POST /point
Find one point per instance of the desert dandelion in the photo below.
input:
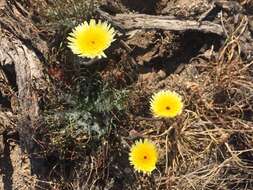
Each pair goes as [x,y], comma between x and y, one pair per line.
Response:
[91,39]
[143,156]
[166,104]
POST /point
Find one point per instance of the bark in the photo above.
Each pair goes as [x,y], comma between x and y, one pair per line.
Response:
[21,60]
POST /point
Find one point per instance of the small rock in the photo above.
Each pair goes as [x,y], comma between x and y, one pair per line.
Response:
[161,74]
[127,170]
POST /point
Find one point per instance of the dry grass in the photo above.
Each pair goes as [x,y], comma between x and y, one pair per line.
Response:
[209,146]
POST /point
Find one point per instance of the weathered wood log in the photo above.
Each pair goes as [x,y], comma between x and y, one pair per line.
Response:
[22,49]
[7,122]
[143,21]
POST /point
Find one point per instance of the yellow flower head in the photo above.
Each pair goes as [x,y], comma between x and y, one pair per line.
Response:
[166,104]
[90,40]
[143,156]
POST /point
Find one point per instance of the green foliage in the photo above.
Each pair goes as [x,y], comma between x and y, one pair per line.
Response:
[96,96]
[87,115]
[69,13]
[110,99]
[104,99]
[72,130]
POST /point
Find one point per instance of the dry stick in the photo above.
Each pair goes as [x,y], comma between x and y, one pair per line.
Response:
[143,21]
[167,159]
[205,14]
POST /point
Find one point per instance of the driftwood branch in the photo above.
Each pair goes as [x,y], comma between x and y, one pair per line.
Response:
[143,21]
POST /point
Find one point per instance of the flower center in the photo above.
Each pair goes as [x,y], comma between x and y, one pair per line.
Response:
[167,108]
[93,42]
[145,157]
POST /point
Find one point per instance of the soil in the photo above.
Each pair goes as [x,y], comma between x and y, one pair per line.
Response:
[72,128]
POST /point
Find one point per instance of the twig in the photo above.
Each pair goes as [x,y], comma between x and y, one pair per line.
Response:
[223,26]
[207,13]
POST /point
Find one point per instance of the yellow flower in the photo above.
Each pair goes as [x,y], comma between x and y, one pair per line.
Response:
[143,156]
[90,40]
[166,104]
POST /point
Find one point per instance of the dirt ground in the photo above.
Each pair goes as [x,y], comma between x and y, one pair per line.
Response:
[92,111]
